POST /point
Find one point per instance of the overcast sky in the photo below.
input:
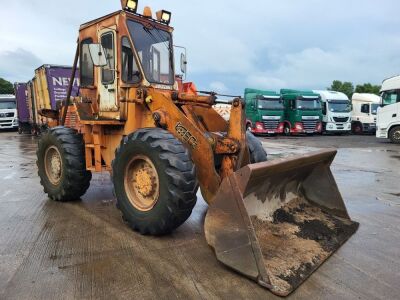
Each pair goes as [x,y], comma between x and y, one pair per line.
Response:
[231,44]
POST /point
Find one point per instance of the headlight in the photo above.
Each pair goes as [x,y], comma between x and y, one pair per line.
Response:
[164,16]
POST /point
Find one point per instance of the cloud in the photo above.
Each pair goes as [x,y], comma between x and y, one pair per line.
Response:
[219,87]
[18,65]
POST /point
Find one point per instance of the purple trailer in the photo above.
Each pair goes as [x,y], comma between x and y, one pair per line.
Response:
[24,107]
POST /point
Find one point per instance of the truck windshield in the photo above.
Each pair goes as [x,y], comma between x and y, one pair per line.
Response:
[8,105]
[308,104]
[274,104]
[340,106]
[154,47]
[374,108]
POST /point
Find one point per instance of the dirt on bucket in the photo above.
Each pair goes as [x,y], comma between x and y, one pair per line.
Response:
[298,240]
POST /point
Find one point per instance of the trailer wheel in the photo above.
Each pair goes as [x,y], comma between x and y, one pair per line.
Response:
[154,181]
[61,164]
[394,135]
[257,152]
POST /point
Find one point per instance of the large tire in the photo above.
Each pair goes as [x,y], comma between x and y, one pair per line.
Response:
[154,181]
[61,164]
[257,152]
[394,135]
[357,128]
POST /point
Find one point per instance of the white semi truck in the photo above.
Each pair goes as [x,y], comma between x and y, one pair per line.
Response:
[365,107]
[8,112]
[388,118]
[336,111]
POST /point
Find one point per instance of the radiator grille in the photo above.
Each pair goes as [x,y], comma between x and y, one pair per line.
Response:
[271,124]
[340,120]
[310,125]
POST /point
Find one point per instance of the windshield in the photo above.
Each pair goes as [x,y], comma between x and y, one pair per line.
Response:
[308,104]
[275,104]
[8,105]
[374,108]
[154,47]
[390,97]
[339,106]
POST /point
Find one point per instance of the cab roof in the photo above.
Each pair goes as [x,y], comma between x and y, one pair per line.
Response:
[331,95]
[392,83]
[365,97]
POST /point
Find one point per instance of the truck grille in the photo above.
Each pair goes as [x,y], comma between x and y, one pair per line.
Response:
[340,120]
[310,125]
[271,124]
[7,115]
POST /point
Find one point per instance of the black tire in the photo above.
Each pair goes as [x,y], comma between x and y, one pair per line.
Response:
[394,135]
[74,179]
[357,129]
[257,152]
[286,130]
[176,177]
[20,130]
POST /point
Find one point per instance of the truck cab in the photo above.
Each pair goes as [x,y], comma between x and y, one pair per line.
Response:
[264,111]
[336,112]
[388,117]
[303,112]
[8,112]
[364,112]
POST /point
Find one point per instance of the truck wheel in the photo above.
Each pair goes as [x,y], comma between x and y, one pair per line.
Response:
[257,152]
[154,180]
[357,128]
[286,130]
[248,127]
[61,164]
[394,135]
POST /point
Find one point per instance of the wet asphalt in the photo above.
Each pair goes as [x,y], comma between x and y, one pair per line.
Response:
[83,250]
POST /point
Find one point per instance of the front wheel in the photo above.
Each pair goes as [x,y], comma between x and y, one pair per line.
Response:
[154,181]
[357,128]
[61,164]
[286,130]
[394,135]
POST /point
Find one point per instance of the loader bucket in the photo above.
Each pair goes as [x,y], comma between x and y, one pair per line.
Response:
[276,222]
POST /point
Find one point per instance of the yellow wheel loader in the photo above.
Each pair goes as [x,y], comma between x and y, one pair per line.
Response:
[274,221]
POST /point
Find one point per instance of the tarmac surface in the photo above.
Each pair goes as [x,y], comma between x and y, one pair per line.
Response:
[82,249]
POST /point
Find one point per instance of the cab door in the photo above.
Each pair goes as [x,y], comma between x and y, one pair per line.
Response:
[107,88]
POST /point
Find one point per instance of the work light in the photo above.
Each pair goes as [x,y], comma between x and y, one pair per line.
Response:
[130,5]
[164,16]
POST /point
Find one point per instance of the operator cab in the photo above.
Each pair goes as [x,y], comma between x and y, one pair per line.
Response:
[122,52]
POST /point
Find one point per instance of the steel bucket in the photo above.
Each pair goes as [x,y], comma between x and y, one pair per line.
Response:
[276,222]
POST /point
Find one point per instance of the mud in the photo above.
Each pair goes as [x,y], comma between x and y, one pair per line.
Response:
[298,240]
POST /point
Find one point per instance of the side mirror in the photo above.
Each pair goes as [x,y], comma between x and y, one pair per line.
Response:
[183,63]
[98,55]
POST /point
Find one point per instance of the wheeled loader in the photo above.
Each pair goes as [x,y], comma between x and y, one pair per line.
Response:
[274,221]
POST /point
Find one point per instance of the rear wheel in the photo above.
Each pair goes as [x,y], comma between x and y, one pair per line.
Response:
[257,152]
[394,135]
[154,181]
[61,164]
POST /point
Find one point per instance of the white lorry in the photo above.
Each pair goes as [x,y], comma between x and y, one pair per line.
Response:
[8,112]
[388,118]
[336,111]
[365,107]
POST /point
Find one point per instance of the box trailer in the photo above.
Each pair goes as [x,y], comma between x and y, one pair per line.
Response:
[24,108]
[48,87]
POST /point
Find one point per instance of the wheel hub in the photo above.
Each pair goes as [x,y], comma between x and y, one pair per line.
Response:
[53,165]
[141,183]
[396,135]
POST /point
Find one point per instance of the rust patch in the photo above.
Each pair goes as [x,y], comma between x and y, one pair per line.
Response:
[298,240]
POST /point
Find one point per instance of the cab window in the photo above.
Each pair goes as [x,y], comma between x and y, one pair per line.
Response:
[130,71]
[365,108]
[108,71]
[86,64]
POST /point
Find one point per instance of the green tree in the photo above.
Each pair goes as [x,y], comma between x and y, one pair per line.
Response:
[344,87]
[6,87]
[368,88]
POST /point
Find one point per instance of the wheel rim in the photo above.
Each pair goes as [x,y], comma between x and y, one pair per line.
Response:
[396,135]
[53,165]
[287,130]
[141,183]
